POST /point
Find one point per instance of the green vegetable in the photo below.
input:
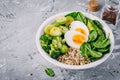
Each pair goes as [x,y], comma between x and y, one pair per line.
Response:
[81,18]
[50,72]
[84,50]
[78,16]
[57,41]
[55,31]
[47,29]
[63,29]
[73,14]
[90,25]
[56,24]
[87,51]
[94,54]
[92,35]
[46,48]
[97,25]
[45,42]
[101,42]
[69,20]
[103,50]
[64,49]
[47,39]
[55,53]
[61,20]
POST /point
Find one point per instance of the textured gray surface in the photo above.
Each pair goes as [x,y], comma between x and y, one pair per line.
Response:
[19,57]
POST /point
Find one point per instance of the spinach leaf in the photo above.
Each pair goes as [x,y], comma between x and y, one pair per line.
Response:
[92,35]
[73,14]
[78,16]
[84,50]
[50,72]
[97,23]
[103,50]
[87,51]
[101,42]
[81,18]
[98,27]
[95,54]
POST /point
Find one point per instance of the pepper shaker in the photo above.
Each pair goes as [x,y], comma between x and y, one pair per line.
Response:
[110,11]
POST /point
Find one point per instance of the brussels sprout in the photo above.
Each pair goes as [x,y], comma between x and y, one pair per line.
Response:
[55,31]
[61,20]
[63,29]
[64,49]
[56,24]
[69,20]
[47,29]
[63,41]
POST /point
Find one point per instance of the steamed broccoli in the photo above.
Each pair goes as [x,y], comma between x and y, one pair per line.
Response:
[45,41]
[55,53]
[46,48]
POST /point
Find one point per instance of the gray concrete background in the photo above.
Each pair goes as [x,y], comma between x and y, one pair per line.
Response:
[19,57]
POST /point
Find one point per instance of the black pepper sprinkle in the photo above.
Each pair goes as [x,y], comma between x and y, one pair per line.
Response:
[111,74]
[31,74]
[114,71]
[66,70]
[119,64]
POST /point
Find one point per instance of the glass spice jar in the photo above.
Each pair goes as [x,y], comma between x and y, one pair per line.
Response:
[93,5]
[110,11]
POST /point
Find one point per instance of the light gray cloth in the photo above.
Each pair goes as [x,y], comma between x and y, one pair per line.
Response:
[19,57]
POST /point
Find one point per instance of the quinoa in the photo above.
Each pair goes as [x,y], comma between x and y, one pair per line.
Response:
[73,57]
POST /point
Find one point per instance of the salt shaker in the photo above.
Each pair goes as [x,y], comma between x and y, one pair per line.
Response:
[93,5]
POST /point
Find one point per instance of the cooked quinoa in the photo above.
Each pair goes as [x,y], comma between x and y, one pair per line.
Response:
[73,57]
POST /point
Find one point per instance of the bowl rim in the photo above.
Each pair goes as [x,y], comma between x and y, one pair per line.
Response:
[63,65]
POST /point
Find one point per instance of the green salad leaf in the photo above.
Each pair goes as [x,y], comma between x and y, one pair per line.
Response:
[50,72]
[92,36]
[103,50]
[81,18]
[87,51]
[101,42]
[84,50]
[78,16]
[72,14]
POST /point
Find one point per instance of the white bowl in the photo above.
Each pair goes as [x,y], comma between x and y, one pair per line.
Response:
[55,62]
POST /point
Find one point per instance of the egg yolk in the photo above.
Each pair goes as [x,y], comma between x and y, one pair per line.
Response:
[81,30]
[78,39]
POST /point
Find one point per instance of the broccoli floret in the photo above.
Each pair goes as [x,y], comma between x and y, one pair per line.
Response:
[46,48]
[55,53]
[45,39]
[57,41]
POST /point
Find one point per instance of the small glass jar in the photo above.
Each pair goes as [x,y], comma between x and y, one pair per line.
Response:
[110,11]
[93,5]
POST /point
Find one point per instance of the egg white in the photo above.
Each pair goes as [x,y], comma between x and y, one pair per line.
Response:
[77,24]
[68,37]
